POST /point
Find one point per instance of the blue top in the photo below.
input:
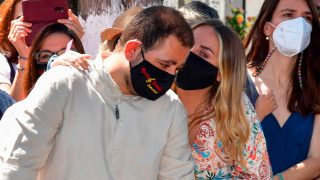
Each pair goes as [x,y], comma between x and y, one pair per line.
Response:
[290,144]
[5,101]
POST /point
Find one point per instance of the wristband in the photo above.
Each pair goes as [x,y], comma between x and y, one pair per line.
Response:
[20,68]
[280,176]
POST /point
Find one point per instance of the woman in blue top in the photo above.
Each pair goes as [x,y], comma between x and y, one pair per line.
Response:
[284,63]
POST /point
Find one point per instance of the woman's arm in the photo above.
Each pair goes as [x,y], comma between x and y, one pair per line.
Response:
[18,31]
[309,168]
[17,90]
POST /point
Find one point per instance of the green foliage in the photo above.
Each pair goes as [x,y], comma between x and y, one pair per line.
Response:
[238,23]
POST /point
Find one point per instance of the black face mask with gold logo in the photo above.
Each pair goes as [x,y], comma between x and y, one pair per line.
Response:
[196,74]
[149,81]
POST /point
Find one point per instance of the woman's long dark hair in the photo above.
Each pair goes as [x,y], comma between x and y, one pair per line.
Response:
[305,100]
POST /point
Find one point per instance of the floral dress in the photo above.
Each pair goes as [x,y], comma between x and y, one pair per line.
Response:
[211,162]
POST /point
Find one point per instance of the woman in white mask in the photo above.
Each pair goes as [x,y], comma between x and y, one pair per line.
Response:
[284,63]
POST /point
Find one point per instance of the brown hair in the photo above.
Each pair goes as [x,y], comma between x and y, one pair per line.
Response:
[196,11]
[7,9]
[301,100]
[154,24]
[31,76]
[227,96]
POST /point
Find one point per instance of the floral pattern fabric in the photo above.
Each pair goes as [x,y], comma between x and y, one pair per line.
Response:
[211,162]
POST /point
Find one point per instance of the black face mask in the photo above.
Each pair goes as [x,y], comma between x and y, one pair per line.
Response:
[196,74]
[42,67]
[149,81]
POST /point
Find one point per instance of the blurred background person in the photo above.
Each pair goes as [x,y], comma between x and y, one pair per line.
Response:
[50,43]
[197,10]
[13,49]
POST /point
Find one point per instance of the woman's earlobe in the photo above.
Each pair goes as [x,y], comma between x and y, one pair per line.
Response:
[267,29]
[219,77]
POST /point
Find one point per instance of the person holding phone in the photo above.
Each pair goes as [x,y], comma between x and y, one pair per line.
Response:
[13,49]
[50,43]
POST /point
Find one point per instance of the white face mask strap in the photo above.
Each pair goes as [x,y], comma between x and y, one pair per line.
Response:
[272,24]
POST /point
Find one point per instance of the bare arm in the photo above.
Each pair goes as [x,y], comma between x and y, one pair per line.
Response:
[18,31]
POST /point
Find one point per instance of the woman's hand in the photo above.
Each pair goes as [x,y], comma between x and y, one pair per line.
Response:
[73,23]
[18,31]
[265,105]
[73,59]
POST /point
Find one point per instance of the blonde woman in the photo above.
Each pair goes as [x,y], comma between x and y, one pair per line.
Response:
[225,134]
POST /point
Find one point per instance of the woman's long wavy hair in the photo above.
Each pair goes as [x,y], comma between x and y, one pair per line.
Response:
[300,100]
[31,71]
[226,96]
[7,9]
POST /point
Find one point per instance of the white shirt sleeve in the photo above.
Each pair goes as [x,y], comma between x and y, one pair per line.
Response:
[5,70]
[28,128]
[177,162]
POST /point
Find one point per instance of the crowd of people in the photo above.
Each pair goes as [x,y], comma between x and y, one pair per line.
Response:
[172,94]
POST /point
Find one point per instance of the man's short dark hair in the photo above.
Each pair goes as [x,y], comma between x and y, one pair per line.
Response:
[198,11]
[154,24]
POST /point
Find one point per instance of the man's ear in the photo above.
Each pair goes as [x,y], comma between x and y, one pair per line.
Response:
[132,49]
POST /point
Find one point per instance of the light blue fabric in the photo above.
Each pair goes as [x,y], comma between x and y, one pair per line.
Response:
[5,101]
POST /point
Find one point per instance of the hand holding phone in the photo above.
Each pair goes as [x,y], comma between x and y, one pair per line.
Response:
[41,13]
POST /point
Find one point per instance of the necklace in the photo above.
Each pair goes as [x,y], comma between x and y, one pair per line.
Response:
[260,68]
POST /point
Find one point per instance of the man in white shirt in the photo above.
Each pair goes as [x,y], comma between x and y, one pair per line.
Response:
[118,121]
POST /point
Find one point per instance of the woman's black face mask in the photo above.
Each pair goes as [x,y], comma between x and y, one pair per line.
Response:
[196,74]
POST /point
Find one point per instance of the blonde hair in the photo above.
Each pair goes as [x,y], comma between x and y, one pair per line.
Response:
[226,97]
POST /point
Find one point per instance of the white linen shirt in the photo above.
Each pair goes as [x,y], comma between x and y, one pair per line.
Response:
[66,129]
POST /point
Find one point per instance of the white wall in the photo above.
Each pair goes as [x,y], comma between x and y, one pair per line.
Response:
[253,7]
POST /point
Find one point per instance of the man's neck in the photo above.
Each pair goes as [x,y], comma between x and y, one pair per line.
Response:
[119,72]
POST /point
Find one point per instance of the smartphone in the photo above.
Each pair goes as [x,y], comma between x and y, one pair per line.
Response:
[41,13]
